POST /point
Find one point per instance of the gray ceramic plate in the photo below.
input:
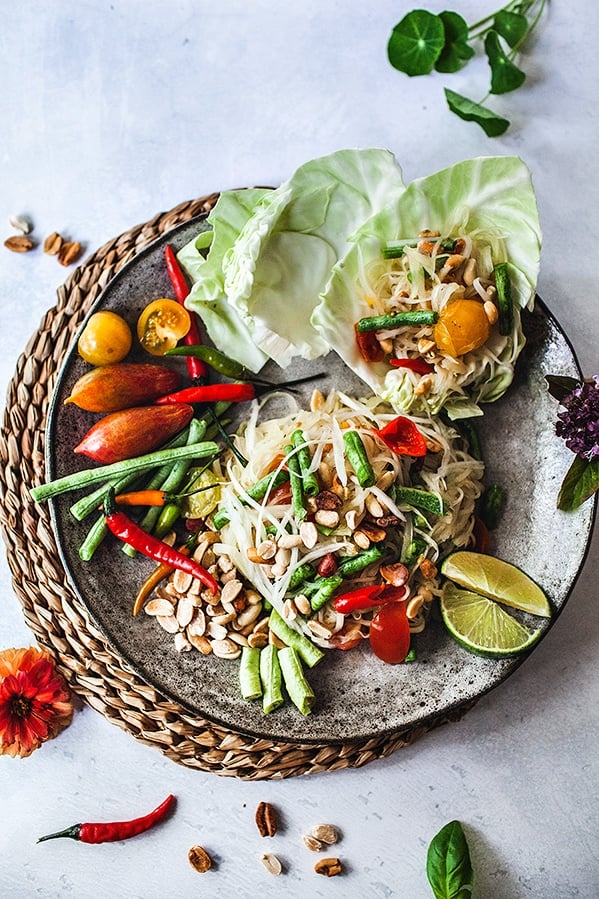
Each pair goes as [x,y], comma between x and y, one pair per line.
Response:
[358,696]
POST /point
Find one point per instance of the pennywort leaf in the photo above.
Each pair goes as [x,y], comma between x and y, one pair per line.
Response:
[505,76]
[492,124]
[448,865]
[512,26]
[560,386]
[456,49]
[416,42]
[580,483]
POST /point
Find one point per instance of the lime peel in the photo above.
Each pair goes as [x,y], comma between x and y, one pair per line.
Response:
[496,579]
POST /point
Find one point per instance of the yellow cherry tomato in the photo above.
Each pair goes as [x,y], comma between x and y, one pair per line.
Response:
[462,326]
[161,325]
[106,338]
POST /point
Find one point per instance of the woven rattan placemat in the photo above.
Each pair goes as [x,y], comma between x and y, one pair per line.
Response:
[52,610]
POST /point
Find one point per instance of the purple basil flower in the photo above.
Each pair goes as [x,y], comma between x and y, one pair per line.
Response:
[579,422]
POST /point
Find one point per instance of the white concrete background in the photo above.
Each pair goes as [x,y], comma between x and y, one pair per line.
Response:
[112,112]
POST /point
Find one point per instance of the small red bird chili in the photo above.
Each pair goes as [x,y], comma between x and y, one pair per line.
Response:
[403,437]
[210,393]
[419,365]
[129,532]
[196,368]
[114,830]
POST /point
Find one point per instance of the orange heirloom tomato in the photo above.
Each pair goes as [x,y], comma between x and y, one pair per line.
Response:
[161,325]
[106,338]
[462,326]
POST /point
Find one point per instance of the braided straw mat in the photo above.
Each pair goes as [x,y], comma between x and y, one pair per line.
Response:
[53,612]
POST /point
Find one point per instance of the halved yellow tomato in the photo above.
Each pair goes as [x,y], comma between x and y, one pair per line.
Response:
[161,325]
[462,326]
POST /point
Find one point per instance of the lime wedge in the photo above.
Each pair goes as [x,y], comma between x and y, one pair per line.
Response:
[497,580]
[483,627]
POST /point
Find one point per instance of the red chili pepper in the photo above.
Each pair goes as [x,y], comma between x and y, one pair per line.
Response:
[196,368]
[129,532]
[419,365]
[114,830]
[403,437]
[363,598]
[369,347]
[210,393]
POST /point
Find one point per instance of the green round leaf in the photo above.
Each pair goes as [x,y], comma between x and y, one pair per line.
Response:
[493,125]
[416,42]
[456,49]
[505,76]
[512,26]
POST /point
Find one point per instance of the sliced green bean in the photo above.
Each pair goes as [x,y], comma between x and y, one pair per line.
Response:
[309,481]
[309,653]
[355,564]
[90,476]
[358,458]
[298,505]
[300,574]
[249,673]
[298,689]
[270,675]
[398,320]
[326,588]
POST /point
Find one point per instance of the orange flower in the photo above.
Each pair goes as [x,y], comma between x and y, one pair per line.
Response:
[35,702]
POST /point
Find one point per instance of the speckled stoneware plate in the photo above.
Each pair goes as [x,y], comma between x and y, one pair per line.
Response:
[357,695]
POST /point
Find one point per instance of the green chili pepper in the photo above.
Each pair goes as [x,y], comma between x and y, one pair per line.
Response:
[218,361]
[358,458]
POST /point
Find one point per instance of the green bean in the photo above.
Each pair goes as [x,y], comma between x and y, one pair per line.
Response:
[420,499]
[93,539]
[90,476]
[358,458]
[326,588]
[300,574]
[309,653]
[309,481]
[398,320]
[297,493]
[249,673]
[270,675]
[298,689]
[355,564]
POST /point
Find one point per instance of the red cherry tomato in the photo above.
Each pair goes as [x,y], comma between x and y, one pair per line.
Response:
[368,345]
[390,633]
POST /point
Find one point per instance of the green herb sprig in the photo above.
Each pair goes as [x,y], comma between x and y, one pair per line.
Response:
[448,864]
[424,41]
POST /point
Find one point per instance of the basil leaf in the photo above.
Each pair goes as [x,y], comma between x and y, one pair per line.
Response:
[416,42]
[580,483]
[493,125]
[559,386]
[505,76]
[456,49]
[512,26]
[448,865]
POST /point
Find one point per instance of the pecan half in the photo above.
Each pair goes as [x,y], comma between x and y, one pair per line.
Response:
[266,819]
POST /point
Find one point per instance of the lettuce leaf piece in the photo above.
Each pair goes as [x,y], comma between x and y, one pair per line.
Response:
[281,261]
[227,329]
[486,198]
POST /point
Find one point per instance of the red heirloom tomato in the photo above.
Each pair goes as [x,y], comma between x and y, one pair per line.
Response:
[390,633]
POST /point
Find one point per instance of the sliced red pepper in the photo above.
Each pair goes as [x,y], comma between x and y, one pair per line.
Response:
[419,365]
[210,393]
[369,347]
[403,437]
[364,598]
[197,369]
